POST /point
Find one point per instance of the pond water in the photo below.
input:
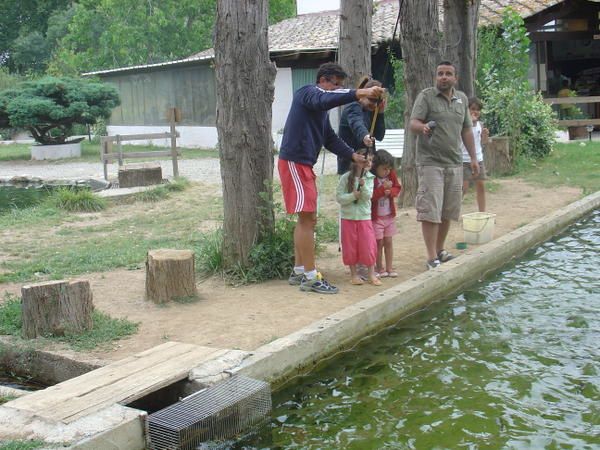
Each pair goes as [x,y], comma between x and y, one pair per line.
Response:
[512,362]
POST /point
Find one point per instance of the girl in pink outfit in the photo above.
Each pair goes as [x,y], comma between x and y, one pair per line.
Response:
[383,210]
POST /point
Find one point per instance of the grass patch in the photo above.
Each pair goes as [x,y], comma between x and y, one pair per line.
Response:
[571,164]
[76,200]
[59,244]
[104,331]
[161,192]
[15,152]
[152,195]
[90,152]
[10,315]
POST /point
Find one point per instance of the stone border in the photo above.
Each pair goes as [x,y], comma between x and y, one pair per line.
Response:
[279,360]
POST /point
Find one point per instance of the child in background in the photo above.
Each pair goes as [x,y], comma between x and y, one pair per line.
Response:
[481,137]
[358,240]
[383,210]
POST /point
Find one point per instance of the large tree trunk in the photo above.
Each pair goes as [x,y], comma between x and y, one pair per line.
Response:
[420,41]
[245,88]
[356,18]
[460,34]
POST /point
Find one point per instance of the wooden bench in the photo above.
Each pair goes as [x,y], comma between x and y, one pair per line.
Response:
[393,142]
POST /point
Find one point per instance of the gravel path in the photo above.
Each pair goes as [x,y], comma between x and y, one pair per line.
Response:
[206,170]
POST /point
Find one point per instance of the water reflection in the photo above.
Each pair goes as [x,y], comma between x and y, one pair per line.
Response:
[513,362]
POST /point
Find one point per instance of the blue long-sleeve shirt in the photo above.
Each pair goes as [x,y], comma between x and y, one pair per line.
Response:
[307,127]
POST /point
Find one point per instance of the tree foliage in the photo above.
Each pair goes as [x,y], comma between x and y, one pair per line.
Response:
[23,22]
[116,33]
[511,107]
[49,107]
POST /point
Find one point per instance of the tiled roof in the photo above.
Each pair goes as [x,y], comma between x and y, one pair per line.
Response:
[319,31]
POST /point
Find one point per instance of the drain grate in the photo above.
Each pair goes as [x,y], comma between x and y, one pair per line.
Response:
[216,413]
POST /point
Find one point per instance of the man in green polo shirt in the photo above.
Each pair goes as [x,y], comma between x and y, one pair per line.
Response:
[440,117]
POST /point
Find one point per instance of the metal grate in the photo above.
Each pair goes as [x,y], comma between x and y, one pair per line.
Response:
[215,413]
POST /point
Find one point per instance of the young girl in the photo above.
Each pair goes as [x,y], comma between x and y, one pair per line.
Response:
[383,210]
[481,137]
[358,240]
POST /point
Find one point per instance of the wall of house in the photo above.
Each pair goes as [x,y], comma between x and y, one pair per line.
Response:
[206,136]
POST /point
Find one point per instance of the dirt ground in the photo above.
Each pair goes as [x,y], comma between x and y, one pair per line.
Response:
[250,316]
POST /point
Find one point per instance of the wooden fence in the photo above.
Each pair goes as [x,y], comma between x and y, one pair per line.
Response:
[106,146]
[574,101]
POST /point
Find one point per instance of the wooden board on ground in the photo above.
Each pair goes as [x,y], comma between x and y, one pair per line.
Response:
[120,382]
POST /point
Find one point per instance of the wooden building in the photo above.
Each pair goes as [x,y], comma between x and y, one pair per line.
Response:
[565,43]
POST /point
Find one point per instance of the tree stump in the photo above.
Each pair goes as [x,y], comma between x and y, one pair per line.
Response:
[144,174]
[497,157]
[170,275]
[56,307]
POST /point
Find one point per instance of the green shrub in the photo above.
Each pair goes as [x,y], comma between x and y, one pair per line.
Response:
[76,200]
[209,255]
[396,102]
[511,108]
[50,107]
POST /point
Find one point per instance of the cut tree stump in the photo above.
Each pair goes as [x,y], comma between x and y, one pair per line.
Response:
[145,174]
[497,156]
[56,307]
[170,275]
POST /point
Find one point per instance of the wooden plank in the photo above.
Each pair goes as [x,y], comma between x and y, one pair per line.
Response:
[572,100]
[578,122]
[93,379]
[139,137]
[130,155]
[129,389]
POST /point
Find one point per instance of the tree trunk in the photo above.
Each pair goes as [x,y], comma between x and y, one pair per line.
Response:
[460,34]
[170,275]
[56,307]
[356,17]
[245,88]
[420,41]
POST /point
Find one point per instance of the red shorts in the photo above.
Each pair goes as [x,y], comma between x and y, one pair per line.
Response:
[298,185]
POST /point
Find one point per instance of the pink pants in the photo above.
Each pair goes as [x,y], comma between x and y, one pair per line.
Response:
[358,242]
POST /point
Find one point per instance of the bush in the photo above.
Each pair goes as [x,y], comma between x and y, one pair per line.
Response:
[50,107]
[76,200]
[522,115]
[396,102]
[511,108]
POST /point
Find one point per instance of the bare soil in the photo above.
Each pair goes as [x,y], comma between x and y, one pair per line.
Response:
[249,316]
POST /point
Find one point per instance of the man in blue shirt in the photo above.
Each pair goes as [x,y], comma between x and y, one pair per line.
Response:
[307,129]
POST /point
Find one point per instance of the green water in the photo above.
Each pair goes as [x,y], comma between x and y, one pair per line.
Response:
[17,198]
[513,362]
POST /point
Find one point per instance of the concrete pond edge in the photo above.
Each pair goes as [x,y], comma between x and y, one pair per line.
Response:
[279,361]
[298,352]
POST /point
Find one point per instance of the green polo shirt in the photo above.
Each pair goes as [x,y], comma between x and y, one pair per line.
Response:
[451,117]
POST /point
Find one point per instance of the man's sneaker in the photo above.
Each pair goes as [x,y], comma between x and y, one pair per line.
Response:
[317,284]
[444,256]
[433,263]
[295,278]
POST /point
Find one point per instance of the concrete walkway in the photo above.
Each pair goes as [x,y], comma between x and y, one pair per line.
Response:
[205,170]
